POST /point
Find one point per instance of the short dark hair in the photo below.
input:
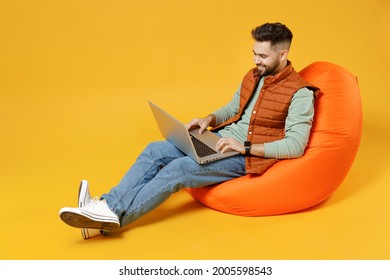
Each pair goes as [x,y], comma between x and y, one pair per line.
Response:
[273,32]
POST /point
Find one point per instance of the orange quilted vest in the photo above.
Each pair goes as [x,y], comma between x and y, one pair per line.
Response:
[270,111]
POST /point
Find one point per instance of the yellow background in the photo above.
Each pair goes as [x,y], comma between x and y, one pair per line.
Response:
[75,77]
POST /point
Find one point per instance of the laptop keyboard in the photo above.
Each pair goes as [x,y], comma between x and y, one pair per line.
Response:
[201,148]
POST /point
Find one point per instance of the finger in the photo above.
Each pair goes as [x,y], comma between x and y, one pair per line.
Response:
[188,125]
[191,124]
[227,147]
[203,127]
[221,144]
[218,145]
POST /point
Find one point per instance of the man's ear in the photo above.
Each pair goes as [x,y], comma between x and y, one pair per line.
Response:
[283,54]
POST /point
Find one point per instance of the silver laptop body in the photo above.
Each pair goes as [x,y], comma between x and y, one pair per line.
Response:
[188,141]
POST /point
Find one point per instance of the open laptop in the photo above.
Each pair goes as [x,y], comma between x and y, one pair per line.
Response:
[200,147]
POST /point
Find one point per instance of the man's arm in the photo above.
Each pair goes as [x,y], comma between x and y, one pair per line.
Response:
[229,110]
[219,116]
[297,132]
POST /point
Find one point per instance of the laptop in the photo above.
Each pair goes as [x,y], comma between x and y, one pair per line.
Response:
[200,147]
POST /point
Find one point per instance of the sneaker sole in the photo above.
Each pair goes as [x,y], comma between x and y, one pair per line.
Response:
[83,189]
[81,221]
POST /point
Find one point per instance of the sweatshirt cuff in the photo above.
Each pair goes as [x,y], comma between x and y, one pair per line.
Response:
[270,150]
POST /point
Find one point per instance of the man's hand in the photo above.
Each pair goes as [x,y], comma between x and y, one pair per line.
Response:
[202,123]
[228,144]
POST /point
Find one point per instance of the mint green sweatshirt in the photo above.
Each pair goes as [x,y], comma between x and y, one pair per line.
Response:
[297,129]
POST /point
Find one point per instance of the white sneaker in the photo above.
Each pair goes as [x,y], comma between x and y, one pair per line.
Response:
[95,215]
[83,200]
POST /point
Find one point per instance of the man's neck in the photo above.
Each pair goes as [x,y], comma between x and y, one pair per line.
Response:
[280,68]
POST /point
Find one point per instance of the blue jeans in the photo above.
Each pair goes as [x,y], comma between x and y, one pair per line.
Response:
[161,170]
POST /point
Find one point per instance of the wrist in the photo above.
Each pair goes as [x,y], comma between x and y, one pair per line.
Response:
[211,119]
[247,147]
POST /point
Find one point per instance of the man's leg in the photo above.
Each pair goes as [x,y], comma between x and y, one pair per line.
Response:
[102,216]
[151,161]
[180,173]
[158,172]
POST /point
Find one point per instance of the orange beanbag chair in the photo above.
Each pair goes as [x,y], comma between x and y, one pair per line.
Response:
[296,184]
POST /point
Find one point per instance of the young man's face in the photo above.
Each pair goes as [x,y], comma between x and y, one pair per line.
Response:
[268,60]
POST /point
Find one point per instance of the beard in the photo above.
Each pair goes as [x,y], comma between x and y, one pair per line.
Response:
[265,70]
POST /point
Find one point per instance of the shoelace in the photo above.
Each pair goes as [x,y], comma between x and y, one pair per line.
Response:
[93,203]
[103,207]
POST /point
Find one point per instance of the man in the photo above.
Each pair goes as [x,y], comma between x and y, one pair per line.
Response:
[268,119]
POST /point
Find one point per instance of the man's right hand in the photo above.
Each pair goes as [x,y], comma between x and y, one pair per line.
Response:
[202,123]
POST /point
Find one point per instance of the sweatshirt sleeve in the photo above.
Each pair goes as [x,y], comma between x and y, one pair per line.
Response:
[229,110]
[297,129]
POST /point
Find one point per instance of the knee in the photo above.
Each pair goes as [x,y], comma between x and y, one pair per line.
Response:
[162,149]
[183,165]
[155,147]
